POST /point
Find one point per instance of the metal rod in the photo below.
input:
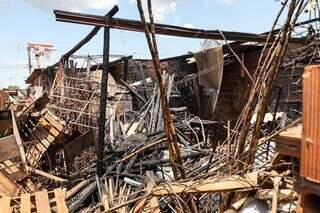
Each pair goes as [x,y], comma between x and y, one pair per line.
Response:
[71,110]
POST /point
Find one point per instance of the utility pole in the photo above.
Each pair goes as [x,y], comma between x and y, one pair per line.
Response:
[29,59]
[103,95]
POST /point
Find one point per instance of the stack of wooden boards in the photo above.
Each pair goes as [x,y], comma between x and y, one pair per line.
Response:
[41,202]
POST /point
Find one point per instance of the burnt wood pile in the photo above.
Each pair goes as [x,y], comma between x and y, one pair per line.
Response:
[149,136]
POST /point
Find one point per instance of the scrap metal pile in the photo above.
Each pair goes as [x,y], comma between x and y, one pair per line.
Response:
[164,140]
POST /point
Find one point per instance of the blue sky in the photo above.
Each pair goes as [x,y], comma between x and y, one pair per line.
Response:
[24,21]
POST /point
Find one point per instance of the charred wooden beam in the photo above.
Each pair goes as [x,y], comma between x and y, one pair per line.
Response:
[103,96]
[133,91]
[164,29]
[86,39]
[174,152]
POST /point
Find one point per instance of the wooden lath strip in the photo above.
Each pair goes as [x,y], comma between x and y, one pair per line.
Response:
[5,205]
[42,201]
[60,201]
[53,122]
[12,167]
[25,206]
[45,132]
[41,205]
[7,186]
[34,154]
[9,168]
[49,127]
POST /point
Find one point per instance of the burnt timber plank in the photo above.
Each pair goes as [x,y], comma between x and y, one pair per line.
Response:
[18,138]
[50,128]
[53,122]
[8,148]
[137,26]
[7,186]
[42,137]
[9,167]
[43,133]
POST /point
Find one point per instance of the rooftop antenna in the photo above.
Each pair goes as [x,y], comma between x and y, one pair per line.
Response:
[39,50]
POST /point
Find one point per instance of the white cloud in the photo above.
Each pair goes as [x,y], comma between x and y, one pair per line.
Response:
[228,1]
[188,25]
[4,4]
[160,8]
[72,5]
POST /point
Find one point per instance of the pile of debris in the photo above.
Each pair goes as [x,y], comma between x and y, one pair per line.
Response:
[219,130]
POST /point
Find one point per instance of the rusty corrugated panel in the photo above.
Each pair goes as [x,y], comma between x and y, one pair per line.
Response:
[310,147]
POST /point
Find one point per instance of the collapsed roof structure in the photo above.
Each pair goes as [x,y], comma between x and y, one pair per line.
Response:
[218,130]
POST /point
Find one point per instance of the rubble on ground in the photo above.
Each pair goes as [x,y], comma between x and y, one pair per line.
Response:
[218,130]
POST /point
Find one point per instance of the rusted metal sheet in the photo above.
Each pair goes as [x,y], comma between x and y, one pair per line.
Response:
[310,146]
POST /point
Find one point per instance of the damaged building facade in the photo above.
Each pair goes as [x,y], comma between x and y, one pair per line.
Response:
[219,130]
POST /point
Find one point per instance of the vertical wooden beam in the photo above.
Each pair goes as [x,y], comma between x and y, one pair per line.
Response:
[125,69]
[29,60]
[5,204]
[103,103]
[174,152]
[42,201]
[277,104]
[25,206]
[103,96]
[144,80]
[172,140]
[228,150]
[276,183]
[60,201]
[18,138]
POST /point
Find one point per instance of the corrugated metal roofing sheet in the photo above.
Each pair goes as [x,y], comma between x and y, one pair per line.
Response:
[310,147]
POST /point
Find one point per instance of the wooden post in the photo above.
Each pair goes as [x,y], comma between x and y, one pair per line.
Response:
[29,60]
[103,96]
[174,152]
[228,150]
